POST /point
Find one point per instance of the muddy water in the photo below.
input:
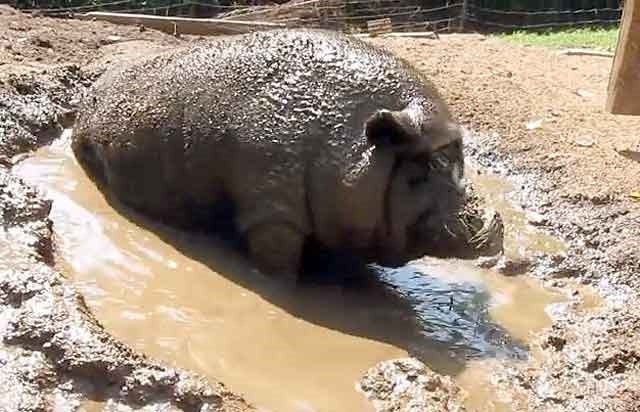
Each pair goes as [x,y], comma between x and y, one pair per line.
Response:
[190,301]
[522,240]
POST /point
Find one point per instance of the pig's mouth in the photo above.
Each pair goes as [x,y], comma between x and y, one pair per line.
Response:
[472,231]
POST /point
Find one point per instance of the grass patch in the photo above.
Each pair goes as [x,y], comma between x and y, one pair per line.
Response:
[593,38]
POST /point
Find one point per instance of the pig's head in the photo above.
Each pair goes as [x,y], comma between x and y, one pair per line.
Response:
[428,210]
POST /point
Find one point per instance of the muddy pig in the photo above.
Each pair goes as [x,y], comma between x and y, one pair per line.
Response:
[299,136]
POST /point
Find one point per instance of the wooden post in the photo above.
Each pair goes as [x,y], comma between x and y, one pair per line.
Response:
[463,15]
[624,81]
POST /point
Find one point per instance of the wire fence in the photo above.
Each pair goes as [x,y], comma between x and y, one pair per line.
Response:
[353,15]
[543,19]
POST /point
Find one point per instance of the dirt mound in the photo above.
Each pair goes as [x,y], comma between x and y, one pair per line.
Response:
[6,10]
[409,385]
[30,42]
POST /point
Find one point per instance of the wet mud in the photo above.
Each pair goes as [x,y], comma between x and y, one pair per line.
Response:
[192,301]
[589,359]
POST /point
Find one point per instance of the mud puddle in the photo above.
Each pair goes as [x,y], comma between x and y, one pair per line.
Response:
[185,299]
[522,240]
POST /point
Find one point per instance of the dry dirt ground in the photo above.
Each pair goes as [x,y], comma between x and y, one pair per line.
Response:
[540,122]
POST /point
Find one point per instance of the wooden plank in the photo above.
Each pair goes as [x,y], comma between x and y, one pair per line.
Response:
[624,81]
[182,25]
[379,26]
[414,34]
[585,52]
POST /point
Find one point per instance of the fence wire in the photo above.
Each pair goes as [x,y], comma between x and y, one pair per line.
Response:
[353,15]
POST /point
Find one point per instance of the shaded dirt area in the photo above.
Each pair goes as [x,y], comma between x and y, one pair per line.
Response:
[574,168]
[541,123]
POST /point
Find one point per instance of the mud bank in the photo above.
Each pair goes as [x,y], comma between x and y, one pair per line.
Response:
[408,385]
[34,108]
[590,358]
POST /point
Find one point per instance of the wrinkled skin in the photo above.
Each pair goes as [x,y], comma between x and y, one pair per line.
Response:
[295,136]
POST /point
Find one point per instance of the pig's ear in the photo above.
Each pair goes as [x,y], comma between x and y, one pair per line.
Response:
[387,128]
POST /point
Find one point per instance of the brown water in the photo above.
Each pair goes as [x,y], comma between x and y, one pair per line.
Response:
[188,300]
[521,239]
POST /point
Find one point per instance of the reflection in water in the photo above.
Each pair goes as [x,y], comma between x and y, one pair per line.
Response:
[187,299]
[455,315]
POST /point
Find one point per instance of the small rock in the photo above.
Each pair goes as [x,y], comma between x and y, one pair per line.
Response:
[537,219]
[44,43]
[487,262]
[585,94]
[110,40]
[409,385]
[534,124]
[513,267]
[584,141]
[552,156]
[556,342]
[628,153]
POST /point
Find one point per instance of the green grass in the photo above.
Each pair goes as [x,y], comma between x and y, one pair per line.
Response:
[602,39]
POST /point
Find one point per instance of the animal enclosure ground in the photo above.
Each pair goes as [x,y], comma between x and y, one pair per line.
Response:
[544,121]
